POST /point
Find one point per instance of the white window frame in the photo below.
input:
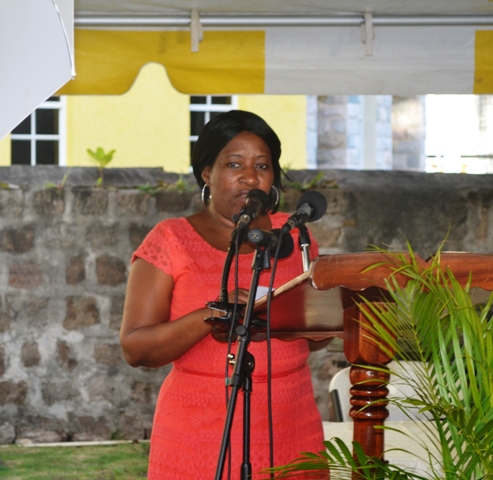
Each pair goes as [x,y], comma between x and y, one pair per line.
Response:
[208,107]
[61,106]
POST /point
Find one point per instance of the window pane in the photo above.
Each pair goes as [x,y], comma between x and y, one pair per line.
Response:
[221,100]
[46,152]
[195,99]
[213,114]
[53,99]
[47,121]
[21,152]
[24,126]
[197,122]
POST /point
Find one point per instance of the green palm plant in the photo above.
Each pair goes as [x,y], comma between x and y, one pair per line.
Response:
[432,319]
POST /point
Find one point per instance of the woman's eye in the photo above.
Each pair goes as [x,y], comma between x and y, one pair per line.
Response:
[233,165]
[262,166]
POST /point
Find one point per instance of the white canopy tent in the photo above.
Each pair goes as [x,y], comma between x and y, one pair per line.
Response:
[289,47]
[237,46]
[36,55]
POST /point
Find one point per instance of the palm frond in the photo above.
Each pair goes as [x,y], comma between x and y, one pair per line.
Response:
[434,321]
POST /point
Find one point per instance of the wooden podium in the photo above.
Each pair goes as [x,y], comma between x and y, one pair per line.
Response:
[325,302]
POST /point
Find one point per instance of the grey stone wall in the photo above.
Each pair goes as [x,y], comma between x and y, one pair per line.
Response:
[64,259]
[64,263]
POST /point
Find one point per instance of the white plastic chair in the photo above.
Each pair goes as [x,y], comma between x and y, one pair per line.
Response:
[339,391]
[404,441]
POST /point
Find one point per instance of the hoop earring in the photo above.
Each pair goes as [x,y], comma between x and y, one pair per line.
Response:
[205,196]
[274,195]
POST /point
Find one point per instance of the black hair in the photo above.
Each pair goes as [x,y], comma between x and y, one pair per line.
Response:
[222,129]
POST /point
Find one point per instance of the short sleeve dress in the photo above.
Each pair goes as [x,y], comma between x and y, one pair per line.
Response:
[191,408]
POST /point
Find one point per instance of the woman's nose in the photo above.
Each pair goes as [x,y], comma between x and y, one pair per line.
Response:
[250,176]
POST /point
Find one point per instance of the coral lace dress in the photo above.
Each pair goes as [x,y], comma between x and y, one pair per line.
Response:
[191,407]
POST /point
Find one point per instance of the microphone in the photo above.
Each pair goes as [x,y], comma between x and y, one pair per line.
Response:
[257,203]
[311,207]
[270,239]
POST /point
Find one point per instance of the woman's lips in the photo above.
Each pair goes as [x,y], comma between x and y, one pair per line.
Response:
[243,195]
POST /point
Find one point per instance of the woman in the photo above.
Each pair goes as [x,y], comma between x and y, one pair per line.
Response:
[174,273]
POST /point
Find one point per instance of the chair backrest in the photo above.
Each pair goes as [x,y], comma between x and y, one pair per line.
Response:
[340,384]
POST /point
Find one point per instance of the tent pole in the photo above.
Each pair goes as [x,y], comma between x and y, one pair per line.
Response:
[128,21]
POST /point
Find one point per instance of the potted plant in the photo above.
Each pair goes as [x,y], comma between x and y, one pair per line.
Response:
[432,319]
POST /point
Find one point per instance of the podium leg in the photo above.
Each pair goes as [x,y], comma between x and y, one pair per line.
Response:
[368,392]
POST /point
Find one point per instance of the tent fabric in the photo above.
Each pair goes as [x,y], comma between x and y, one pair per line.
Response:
[417,47]
[36,55]
[483,80]
[405,60]
[108,61]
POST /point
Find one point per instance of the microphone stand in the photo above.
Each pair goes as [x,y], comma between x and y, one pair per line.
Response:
[304,242]
[244,365]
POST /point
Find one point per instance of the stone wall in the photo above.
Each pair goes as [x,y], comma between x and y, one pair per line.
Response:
[64,263]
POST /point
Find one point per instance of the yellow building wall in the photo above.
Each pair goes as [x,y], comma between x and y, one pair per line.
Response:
[286,114]
[5,151]
[148,126]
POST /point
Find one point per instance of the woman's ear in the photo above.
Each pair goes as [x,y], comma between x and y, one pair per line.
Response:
[206,175]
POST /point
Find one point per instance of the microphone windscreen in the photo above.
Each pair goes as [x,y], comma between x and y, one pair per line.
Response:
[270,239]
[317,202]
[287,244]
[261,198]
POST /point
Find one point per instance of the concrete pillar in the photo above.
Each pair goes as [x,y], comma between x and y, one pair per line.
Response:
[377,132]
[339,132]
[485,142]
[311,131]
[409,133]
[355,132]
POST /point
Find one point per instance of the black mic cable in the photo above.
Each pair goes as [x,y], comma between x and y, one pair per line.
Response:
[282,245]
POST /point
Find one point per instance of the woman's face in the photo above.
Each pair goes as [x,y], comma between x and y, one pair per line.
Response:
[244,164]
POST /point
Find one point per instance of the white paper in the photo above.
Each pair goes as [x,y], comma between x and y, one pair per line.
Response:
[261,292]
